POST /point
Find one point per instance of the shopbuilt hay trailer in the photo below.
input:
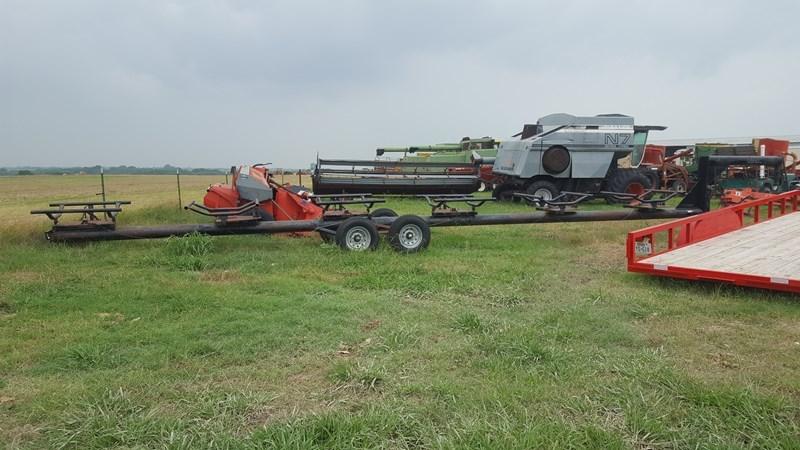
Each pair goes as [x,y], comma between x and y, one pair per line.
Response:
[752,244]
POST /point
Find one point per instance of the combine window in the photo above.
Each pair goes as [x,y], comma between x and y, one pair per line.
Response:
[639,141]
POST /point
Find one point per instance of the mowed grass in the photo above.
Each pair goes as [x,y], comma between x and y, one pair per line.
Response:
[496,337]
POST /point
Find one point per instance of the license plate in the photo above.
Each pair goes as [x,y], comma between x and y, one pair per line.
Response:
[643,248]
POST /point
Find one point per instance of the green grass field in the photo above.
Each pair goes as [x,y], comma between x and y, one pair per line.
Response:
[496,337]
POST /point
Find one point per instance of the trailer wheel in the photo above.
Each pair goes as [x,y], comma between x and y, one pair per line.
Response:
[383,212]
[409,234]
[357,234]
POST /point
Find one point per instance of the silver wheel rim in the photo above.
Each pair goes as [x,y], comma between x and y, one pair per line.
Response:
[543,193]
[358,239]
[410,236]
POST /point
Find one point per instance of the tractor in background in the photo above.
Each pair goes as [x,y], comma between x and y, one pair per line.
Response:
[669,173]
[746,182]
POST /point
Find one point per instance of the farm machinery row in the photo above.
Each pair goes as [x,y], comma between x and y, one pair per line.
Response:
[554,166]
[254,203]
[559,153]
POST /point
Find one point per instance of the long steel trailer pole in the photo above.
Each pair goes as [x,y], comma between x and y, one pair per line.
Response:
[311,225]
[541,217]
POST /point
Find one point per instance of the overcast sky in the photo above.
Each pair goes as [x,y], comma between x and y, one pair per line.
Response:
[214,83]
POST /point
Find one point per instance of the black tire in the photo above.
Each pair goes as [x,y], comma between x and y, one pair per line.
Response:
[678,186]
[629,180]
[543,188]
[383,212]
[409,234]
[655,179]
[505,193]
[357,234]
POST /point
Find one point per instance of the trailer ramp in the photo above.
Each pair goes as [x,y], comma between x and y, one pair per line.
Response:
[752,244]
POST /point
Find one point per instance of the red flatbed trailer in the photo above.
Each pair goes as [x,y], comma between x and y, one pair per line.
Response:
[751,244]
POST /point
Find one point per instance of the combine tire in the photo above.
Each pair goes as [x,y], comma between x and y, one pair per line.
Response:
[409,234]
[543,189]
[629,181]
[357,234]
[655,179]
[383,212]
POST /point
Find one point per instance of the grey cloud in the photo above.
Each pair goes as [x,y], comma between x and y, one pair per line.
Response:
[216,83]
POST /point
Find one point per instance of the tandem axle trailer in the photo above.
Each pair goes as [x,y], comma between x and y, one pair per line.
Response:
[361,231]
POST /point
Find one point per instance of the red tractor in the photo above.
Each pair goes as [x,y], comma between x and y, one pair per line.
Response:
[668,174]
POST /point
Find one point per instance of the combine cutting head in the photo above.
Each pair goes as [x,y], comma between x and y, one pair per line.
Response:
[254,184]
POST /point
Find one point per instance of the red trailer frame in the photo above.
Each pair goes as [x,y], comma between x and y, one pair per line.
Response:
[663,238]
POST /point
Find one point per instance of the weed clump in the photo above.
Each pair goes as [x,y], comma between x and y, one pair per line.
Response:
[189,252]
[359,376]
[469,322]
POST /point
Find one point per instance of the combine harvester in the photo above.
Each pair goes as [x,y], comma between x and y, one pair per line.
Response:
[562,152]
[752,243]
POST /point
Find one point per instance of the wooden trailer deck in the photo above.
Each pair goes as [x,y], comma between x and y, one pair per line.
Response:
[752,244]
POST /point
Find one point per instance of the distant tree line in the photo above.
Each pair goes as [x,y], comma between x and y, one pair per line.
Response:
[123,170]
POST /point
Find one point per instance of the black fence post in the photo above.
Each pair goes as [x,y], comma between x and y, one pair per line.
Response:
[178,178]
[102,184]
